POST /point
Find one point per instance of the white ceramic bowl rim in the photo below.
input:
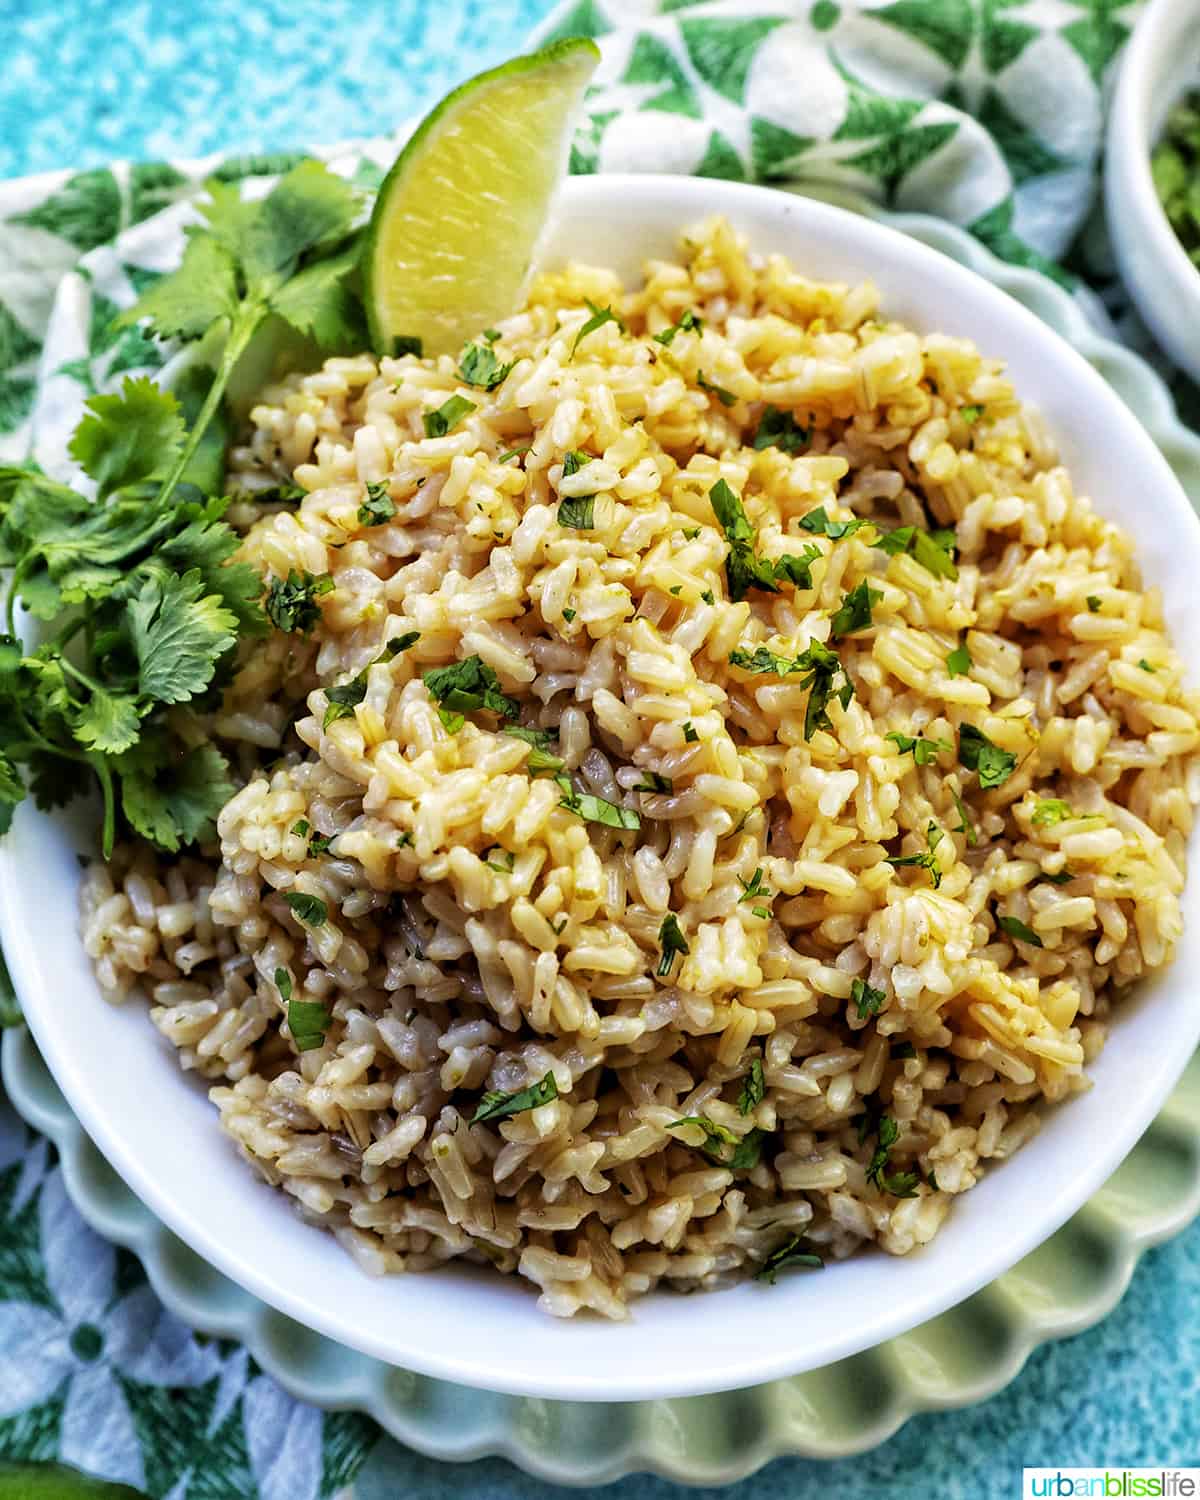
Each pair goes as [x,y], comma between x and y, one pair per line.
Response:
[474,1328]
[1159,60]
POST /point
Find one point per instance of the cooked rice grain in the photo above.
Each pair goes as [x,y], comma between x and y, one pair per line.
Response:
[446,974]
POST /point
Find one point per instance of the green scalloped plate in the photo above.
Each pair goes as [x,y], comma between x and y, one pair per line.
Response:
[966,1355]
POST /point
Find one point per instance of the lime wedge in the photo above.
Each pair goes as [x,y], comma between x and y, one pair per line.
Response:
[452,238]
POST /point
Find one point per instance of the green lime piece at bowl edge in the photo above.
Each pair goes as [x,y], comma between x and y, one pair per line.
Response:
[456,225]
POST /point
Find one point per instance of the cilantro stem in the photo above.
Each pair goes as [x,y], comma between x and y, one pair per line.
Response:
[14,588]
[99,765]
[243,329]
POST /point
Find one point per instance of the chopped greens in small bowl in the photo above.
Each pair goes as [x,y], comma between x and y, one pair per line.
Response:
[1175,167]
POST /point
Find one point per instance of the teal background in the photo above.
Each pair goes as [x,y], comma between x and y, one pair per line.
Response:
[82,82]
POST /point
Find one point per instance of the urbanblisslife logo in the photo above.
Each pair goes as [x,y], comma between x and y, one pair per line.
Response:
[1111,1484]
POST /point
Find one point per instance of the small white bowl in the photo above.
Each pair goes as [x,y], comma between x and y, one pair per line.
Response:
[1160,63]
[156,1127]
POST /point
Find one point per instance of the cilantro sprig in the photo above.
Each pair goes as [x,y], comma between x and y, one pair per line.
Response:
[138,582]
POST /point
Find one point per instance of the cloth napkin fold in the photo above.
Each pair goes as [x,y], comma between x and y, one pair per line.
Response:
[988,113]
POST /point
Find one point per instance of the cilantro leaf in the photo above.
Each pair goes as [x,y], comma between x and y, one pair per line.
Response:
[958,663]
[283,983]
[970,414]
[854,613]
[672,941]
[207,544]
[790,1253]
[779,429]
[447,417]
[343,699]
[754,1088]
[378,507]
[927,860]
[1050,811]
[108,722]
[724,1147]
[1015,928]
[291,603]
[12,791]
[172,799]
[978,753]
[797,570]
[310,910]
[725,397]
[924,752]
[498,1105]
[129,437]
[187,302]
[689,323]
[934,550]
[317,301]
[577,512]
[965,826]
[178,635]
[308,1021]
[599,316]
[468,685]
[478,366]
[594,809]
[817,521]
[867,1001]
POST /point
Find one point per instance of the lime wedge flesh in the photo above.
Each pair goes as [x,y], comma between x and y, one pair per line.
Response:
[457,221]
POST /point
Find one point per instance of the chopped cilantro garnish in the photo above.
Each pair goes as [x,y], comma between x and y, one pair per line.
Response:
[926,861]
[753,1089]
[378,507]
[1064,877]
[344,699]
[498,1105]
[924,752]
[404,344]
[791,1254]
[578,512]
[653,782]
[310,910]
[478,366]
[754,889]
[689,734]
[797,570]
[821,667]
[291,602]
[599,316]
[779,429]
[1093,602]
[1015,928]
[868,1001]
[931,1179]
[895,542]
[854,613]
[903,1050]
[689,323]
[934,550]
[568,615]
[1050,811]
[818,522]
[708,596]
[965,826]
[447,417]
[887,1134]
[594,809]
[970,414]
[504,457]
[283,983]
[501,861]
[451,722]
[1145,666]
[726,398]
[690,533]
[468,685]
[958,663]
[308,1021]
[724,1147]
[672,941]
[978,753]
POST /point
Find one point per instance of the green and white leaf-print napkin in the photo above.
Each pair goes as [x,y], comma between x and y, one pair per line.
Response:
[988,113]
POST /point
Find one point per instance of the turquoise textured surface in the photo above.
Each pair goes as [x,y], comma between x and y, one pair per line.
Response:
[85,82]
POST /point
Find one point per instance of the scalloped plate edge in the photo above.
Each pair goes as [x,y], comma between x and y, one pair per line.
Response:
[711,1440]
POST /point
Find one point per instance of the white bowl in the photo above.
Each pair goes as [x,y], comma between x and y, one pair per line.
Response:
[157,1129]
[1161,61]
